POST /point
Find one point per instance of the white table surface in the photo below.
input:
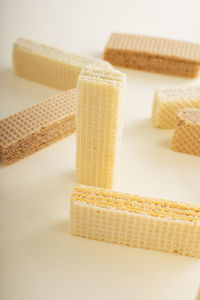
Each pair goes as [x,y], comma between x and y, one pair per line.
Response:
[39,259]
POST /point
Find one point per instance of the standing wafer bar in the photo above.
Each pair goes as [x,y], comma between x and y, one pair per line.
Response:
[142,222]
[167,102]
[186,137]
[153,54]
[50,66]
[99,125]
[37,127]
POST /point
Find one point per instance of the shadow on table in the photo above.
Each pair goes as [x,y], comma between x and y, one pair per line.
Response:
[62,227]
[71,175]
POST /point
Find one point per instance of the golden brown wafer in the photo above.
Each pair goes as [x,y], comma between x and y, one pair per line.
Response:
[37,127]
[186,137]
[136,221]
[153,54]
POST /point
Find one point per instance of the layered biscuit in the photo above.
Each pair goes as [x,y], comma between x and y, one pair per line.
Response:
[50,66]
[37,127]
[186,136]
[99,125]
[153,54]
[135,221]
[168,101]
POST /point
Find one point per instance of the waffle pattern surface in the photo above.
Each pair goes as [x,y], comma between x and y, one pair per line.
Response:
[186,137]
[142,222]
[153,54]
[167,102]
[37,127]
[50,66]
[99,125]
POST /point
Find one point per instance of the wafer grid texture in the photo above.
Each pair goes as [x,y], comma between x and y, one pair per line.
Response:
[153,54]
[50,66]
[135,221]
[186,136]
[37,126]
[168,101]
[99,125]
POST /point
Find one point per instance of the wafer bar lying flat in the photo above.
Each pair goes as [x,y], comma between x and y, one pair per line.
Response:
[135,221]
[50,66]
[99,125]
[167,102]
[37,127]
[153,54]
[186,137]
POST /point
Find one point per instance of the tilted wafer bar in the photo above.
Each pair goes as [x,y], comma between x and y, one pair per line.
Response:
[37,127]
[50,66]
[186,137]
[168,101]
[99,125]
[143,222]
[153,54]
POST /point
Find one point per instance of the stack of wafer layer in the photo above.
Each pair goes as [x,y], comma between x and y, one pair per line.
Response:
[99,125]
[153,54]
[50,66]
[37,127]
[168,101]
[186,137]
[135,221]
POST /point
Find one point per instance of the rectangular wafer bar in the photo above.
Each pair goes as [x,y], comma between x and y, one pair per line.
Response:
[37,127]
[168,101]
[186,137]
[50,66]
[136,221]
[99,125]
[153,54]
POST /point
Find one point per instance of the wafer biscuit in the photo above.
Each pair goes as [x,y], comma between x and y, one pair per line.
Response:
[99,125]
[37,127]
[142,222]
[168,101]
[50,66]
[153,54]
[186,137]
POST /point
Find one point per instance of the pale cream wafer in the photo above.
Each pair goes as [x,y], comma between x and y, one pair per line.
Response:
[136,221]
[99,125]
[168,101]
[37,127]
[153,54]
[186,137]
[50,66]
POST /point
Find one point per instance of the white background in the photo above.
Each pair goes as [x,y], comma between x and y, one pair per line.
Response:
[39,260]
